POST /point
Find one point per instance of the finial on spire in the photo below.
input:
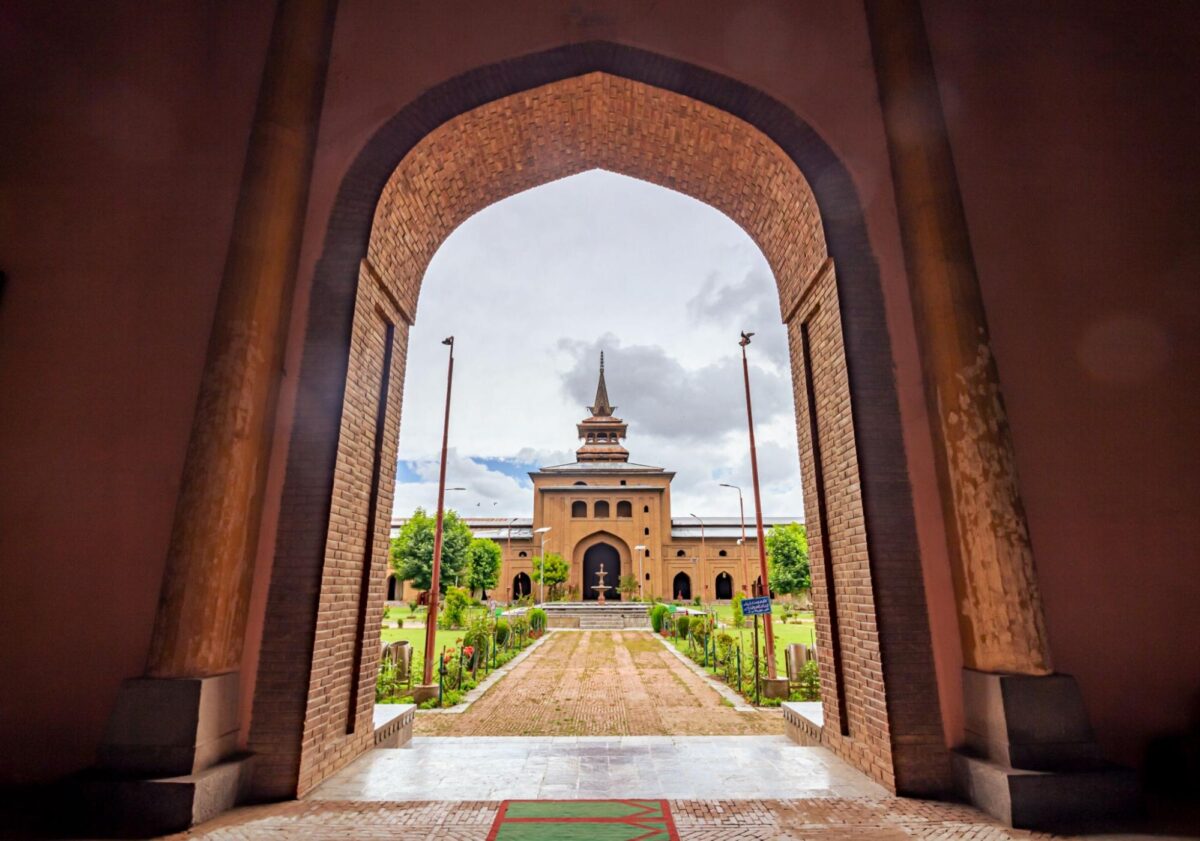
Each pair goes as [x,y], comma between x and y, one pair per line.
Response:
[601,407]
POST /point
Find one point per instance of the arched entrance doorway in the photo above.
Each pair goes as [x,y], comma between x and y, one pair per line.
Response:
[522,585]
[681,587]
[766,169]
[391,590]
[724,589]
[606,556]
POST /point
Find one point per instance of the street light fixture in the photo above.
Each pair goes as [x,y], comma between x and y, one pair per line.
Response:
[742,542]
[542,577]
[641,550]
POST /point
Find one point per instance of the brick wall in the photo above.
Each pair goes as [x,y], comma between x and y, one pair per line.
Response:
[302,739]
[879,690]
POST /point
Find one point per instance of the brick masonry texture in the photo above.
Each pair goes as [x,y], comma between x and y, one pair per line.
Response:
[508,127]
[840,819]
[597,683]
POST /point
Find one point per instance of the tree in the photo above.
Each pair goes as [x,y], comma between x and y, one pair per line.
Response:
[556,571]
[412,550]
[483,562]
[628,585]
[787,559]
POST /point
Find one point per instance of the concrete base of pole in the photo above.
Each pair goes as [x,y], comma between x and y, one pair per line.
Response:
[775,687]
[423,692]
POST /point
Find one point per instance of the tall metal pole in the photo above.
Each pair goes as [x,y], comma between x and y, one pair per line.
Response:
[758,523]
[435,582]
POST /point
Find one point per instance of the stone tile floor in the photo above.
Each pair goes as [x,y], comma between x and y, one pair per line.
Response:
[569,767]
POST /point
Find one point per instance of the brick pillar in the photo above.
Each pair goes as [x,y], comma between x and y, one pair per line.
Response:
[182,717]
[1000,608]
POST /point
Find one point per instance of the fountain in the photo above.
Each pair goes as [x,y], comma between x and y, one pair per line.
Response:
[601,587]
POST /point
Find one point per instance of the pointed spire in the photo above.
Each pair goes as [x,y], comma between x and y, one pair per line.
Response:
[601,407]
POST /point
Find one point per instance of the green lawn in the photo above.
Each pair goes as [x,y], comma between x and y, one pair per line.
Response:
[416,637]
[784,635]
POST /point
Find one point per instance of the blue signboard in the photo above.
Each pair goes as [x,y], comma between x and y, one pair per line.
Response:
[757,606]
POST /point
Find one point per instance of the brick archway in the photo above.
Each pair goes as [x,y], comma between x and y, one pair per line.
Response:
[512,126]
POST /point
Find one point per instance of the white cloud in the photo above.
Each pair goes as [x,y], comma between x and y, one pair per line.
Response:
[534,286]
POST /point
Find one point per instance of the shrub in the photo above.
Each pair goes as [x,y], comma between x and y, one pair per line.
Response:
[724,645]
[501,631]
[682,620]
[457,602]
[810,682]
[477,639]
[657,613]
[518,626]
[699,628]
[696,601]
[537,619]
[739,618]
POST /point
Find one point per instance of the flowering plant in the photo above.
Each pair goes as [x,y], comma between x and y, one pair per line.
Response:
[469,651]
[448,657]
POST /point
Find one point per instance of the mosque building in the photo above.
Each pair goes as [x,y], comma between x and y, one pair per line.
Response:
[609,517]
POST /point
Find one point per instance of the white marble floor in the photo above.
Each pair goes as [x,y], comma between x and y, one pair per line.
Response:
[678,767]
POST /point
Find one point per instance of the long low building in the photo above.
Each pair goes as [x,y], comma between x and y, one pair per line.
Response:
[609,517]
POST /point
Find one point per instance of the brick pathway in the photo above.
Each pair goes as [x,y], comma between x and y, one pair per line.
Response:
[600,683]
[824,819]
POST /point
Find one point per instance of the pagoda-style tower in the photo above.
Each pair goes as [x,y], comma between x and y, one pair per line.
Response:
[602,433]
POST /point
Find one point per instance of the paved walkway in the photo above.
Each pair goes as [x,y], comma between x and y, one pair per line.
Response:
[601,683]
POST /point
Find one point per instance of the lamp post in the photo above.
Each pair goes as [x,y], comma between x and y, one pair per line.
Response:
[542,576]
[435,579]
[758,523]
[742,542]
[510,525]
[641,550]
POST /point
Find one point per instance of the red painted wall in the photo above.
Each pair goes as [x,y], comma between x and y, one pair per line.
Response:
[123,127]
[124,132]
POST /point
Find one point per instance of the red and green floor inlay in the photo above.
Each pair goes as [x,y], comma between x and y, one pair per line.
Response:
[584,820]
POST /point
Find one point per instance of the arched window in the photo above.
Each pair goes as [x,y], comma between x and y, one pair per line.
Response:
[681,554]
[602,510]
[581,483]
[624,508]
[722,553]
[645,509]
[646,531]
[522,555]
[579,508]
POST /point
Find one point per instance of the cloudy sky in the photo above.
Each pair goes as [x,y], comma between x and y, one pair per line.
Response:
[534,287]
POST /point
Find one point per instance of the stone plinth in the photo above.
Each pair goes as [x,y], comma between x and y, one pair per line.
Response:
[1030,759]
[424,691]
[775,687]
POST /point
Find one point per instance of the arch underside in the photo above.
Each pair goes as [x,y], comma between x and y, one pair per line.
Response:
[510,127]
